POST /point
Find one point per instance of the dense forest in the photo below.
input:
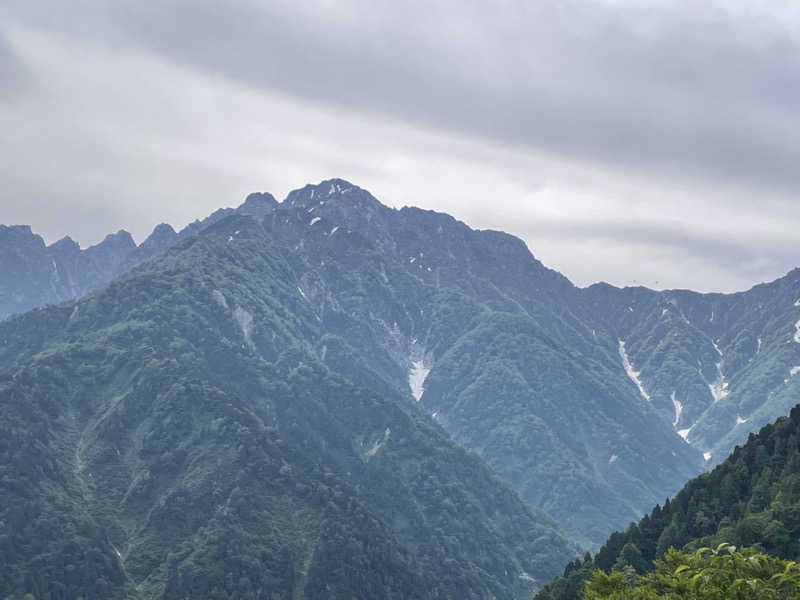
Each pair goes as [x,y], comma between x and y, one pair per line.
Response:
[176,435]
[751,499]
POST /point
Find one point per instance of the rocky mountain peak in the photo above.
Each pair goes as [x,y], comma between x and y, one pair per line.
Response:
[65,244]
[121,240]
[337,192]
[20,235]
[162,237]
[258,205]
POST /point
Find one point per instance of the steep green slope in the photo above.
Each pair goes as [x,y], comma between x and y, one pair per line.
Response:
[566,434]
[752,498]
[716,366]
[176,434]
[494,347]
[583,399]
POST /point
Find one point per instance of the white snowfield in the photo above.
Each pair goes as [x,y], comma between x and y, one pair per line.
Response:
[416,378]
[315,220]
[684,433]
[707,455]
[678,409]
[797,332]
[633,375]
[719,389]
[740,420]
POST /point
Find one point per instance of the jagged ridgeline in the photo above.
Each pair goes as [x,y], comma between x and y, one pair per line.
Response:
[187,431]
[33,274]
[751,499]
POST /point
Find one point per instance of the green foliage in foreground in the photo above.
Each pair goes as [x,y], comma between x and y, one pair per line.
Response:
[751,499]
[726,573]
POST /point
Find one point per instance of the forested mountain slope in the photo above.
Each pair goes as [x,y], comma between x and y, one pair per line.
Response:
[489,342]
[752,499]
[177,434]
[594,403]
[717,366]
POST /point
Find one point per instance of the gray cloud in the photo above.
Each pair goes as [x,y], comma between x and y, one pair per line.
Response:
[718,255]
[595,130]
[679,90]
[14,78]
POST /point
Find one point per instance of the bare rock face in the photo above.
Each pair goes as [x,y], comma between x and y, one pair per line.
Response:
[258,205]
[32,274]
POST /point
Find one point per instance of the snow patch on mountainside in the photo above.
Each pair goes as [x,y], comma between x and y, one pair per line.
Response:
[678,409]
[416,378]
[314,220]
[719,388]
[740,420]
[612,459]
[334,230]
[794,371]
[632,374]
[758,347]
[707,455]
[797,332]
[684,433]
[421,363]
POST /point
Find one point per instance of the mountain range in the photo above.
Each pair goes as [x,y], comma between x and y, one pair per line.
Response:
[179,433]
[593,403]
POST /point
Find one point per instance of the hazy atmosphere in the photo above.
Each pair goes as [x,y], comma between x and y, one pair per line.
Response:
[651,144]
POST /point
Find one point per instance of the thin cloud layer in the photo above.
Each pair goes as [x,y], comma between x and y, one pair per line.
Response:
[660,130]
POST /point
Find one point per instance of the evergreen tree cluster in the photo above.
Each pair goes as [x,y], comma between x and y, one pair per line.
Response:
[751,499]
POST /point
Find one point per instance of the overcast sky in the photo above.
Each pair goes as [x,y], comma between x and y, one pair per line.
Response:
[653,143]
